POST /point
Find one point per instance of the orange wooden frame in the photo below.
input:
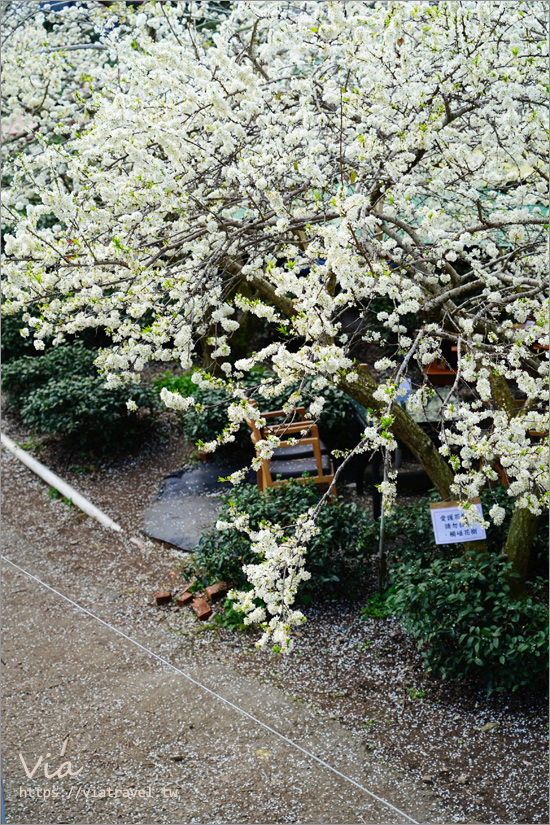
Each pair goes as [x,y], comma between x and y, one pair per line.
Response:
[264,476]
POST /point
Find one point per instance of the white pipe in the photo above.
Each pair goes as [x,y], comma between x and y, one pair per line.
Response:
[54,481]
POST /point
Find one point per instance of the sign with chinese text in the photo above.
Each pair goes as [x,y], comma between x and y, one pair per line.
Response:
[448,529]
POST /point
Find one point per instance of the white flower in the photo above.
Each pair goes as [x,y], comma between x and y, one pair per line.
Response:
[497,513]
[175,401]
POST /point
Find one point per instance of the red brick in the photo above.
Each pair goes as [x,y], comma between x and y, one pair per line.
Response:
[184,598]
[201,608]
[163,597]
[216,590]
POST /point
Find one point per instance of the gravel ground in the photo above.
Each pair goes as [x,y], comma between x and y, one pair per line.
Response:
[133,726]
[363,676]
[368,675]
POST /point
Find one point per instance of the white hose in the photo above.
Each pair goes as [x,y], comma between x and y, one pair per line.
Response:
[54,481]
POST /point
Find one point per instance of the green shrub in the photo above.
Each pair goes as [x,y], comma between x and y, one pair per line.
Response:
[60,392]
[465,623]
[206,424]
[13,345]
[21,377]
[379,606]
[233,619]
[84,411]
[459,609]
[336,557]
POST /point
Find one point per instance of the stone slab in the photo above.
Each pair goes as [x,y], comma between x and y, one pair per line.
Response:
[188,503]
[181,520]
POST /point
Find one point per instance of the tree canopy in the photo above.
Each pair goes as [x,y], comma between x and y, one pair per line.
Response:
[363,177]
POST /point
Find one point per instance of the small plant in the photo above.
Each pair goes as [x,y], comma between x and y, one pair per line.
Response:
[55,495]
[379,606]
[366,645]
[197,586]
[231,619]
[82,469]
[32,445]
[415,694]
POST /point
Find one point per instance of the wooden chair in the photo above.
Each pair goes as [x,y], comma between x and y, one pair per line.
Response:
[501,472]
[309,455]
[440,374]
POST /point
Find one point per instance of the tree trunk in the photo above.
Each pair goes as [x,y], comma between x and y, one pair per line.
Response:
[523,525]
[503,395]
[406,429]
[518,547]
[411,434]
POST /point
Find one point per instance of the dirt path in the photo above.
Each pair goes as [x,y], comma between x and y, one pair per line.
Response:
[355,687]
[135,725]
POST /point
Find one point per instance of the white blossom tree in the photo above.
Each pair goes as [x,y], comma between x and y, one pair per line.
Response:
[301,162]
